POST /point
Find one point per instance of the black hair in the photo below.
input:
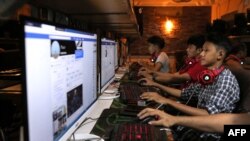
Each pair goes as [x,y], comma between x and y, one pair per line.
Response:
[198,40]
[237,47]
[157,40]
[221,41]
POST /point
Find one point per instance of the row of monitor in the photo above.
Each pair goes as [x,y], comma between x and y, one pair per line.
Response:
[60,77]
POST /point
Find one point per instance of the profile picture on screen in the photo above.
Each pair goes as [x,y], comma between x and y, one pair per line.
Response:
[74,100]
[55,49]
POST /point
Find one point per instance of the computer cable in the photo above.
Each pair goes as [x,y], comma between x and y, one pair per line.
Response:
[92,120]
[186,102]
[82,124]
[109,96]
[96,138]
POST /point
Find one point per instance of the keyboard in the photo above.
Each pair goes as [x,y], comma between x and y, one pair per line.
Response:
[8,83]
[135,66]
[130,92]
[137,132]
[133,71]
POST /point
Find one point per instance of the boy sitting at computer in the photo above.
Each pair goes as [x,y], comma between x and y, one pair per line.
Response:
[158,56]
[190,70]
[218,87]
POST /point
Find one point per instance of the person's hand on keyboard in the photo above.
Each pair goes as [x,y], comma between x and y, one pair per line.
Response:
[161,118]
[146,82]
[154,96]
[143,69]
[145,72]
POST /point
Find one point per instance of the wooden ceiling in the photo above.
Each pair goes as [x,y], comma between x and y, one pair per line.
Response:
[112,15]
[109,15]
[173,2]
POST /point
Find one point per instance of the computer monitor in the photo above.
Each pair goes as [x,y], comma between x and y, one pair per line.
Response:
[116,55]
[60,79]
[107,62]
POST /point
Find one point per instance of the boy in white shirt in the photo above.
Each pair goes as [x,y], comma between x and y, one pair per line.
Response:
[159,57]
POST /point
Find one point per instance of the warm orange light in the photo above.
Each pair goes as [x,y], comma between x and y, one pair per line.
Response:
[169,26]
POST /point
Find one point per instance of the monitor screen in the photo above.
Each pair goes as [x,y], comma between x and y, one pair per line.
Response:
[60,79]
[107,62]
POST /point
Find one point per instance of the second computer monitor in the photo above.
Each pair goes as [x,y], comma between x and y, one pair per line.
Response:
[107,62]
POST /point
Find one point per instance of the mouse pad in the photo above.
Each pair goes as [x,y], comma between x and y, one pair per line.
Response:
[108,119]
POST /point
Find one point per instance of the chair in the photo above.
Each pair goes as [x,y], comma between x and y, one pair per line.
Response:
[243,77]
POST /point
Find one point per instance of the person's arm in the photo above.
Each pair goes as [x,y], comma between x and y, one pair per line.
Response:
[172,78]
[157,67]
[186,109]
[213,123]
[145,72]
[171,91]
[191,74]
[152,96]
[210,123]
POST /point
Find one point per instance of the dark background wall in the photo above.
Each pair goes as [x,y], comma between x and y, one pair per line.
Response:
[187,20]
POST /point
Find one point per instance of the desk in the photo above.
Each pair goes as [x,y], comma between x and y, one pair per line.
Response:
[95,112]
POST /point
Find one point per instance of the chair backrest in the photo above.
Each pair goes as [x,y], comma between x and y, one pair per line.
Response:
[243,77]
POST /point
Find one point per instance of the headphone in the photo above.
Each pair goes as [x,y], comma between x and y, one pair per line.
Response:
[154,57]
[189,62]
[208,76]
[235,58]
